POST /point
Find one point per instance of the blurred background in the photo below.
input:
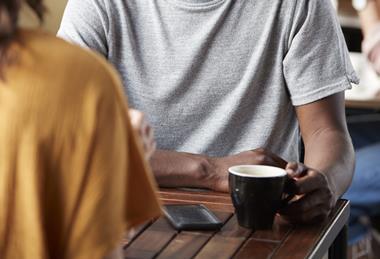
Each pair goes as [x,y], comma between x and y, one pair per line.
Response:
[53,17]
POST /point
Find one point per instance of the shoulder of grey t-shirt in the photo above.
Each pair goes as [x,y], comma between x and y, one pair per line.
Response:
[317,62]
[86,23]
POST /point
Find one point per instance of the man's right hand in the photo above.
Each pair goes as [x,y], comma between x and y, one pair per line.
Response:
[217,179]
[176,169]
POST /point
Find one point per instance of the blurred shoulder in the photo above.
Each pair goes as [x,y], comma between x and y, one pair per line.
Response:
[75,64]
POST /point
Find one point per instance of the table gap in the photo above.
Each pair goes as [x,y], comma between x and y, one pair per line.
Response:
[215,232]
[283,241]
[138,230]
[202,236]
[151,241]
[166,245]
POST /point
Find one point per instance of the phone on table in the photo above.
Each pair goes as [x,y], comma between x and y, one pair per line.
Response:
[191,217]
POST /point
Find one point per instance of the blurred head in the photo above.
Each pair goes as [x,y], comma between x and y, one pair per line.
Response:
[9,13]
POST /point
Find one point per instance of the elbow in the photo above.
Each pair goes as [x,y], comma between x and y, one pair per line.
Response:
[349,160]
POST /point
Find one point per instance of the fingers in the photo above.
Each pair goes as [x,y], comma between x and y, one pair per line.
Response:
[296,169]
[136,118]
[145,132]
[150,147]
[262,156]
[147,135]
[274,159]
[306,180]
[318,200]
[317,197]
[316,214]
[311,181]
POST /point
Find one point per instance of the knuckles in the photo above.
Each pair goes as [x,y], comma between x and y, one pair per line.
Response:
[260,156]
[260,150]
[292,165]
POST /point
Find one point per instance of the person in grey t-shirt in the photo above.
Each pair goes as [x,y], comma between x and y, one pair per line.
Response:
[228,82]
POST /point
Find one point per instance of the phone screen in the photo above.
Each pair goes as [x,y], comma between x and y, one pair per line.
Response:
[191,217]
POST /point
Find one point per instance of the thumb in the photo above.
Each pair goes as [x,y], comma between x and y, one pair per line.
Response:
[295,169]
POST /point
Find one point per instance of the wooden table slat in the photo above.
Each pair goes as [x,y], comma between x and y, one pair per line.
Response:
[260,249]
[191,191]
[187,243]
[198,197]
[226,242]
[210,205]
[134,233]
[298,243]
[149,243]
[264,243]
[364,104]
[281,229]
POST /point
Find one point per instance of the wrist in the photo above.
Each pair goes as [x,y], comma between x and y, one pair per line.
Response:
[214,174]
[208,167]
[202,168]
[179,169]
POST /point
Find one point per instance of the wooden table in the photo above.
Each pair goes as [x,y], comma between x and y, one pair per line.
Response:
[348,16]
[158,239]
[373,104]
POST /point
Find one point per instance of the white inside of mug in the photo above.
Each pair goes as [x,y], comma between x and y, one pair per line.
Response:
[257,171]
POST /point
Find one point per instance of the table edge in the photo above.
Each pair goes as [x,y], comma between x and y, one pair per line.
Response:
[372,104]
[325,241]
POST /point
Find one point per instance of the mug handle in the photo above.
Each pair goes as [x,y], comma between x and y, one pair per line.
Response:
[289,190]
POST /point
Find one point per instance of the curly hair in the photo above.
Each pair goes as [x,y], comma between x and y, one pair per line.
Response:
[9,14]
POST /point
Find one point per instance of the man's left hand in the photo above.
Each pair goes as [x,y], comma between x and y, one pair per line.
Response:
[315,195]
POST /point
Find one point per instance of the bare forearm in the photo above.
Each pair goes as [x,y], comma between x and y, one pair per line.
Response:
[331,152]
[174,169]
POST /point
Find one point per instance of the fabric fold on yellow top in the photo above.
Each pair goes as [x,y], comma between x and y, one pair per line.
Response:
[72,174]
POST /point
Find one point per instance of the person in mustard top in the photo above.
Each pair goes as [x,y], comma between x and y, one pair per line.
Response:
[73,177]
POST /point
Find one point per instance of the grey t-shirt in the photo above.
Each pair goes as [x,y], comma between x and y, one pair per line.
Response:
[218,76]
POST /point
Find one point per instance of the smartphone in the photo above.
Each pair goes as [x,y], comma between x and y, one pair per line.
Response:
[191,217]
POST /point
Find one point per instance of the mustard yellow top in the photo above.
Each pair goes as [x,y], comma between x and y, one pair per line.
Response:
[72,174]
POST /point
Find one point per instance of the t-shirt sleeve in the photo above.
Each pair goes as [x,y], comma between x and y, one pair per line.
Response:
[85,23]
[317,62]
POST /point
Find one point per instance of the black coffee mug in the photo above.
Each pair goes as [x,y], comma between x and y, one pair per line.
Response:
[258,193]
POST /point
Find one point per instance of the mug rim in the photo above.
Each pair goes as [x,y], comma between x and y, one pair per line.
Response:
[280,171]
